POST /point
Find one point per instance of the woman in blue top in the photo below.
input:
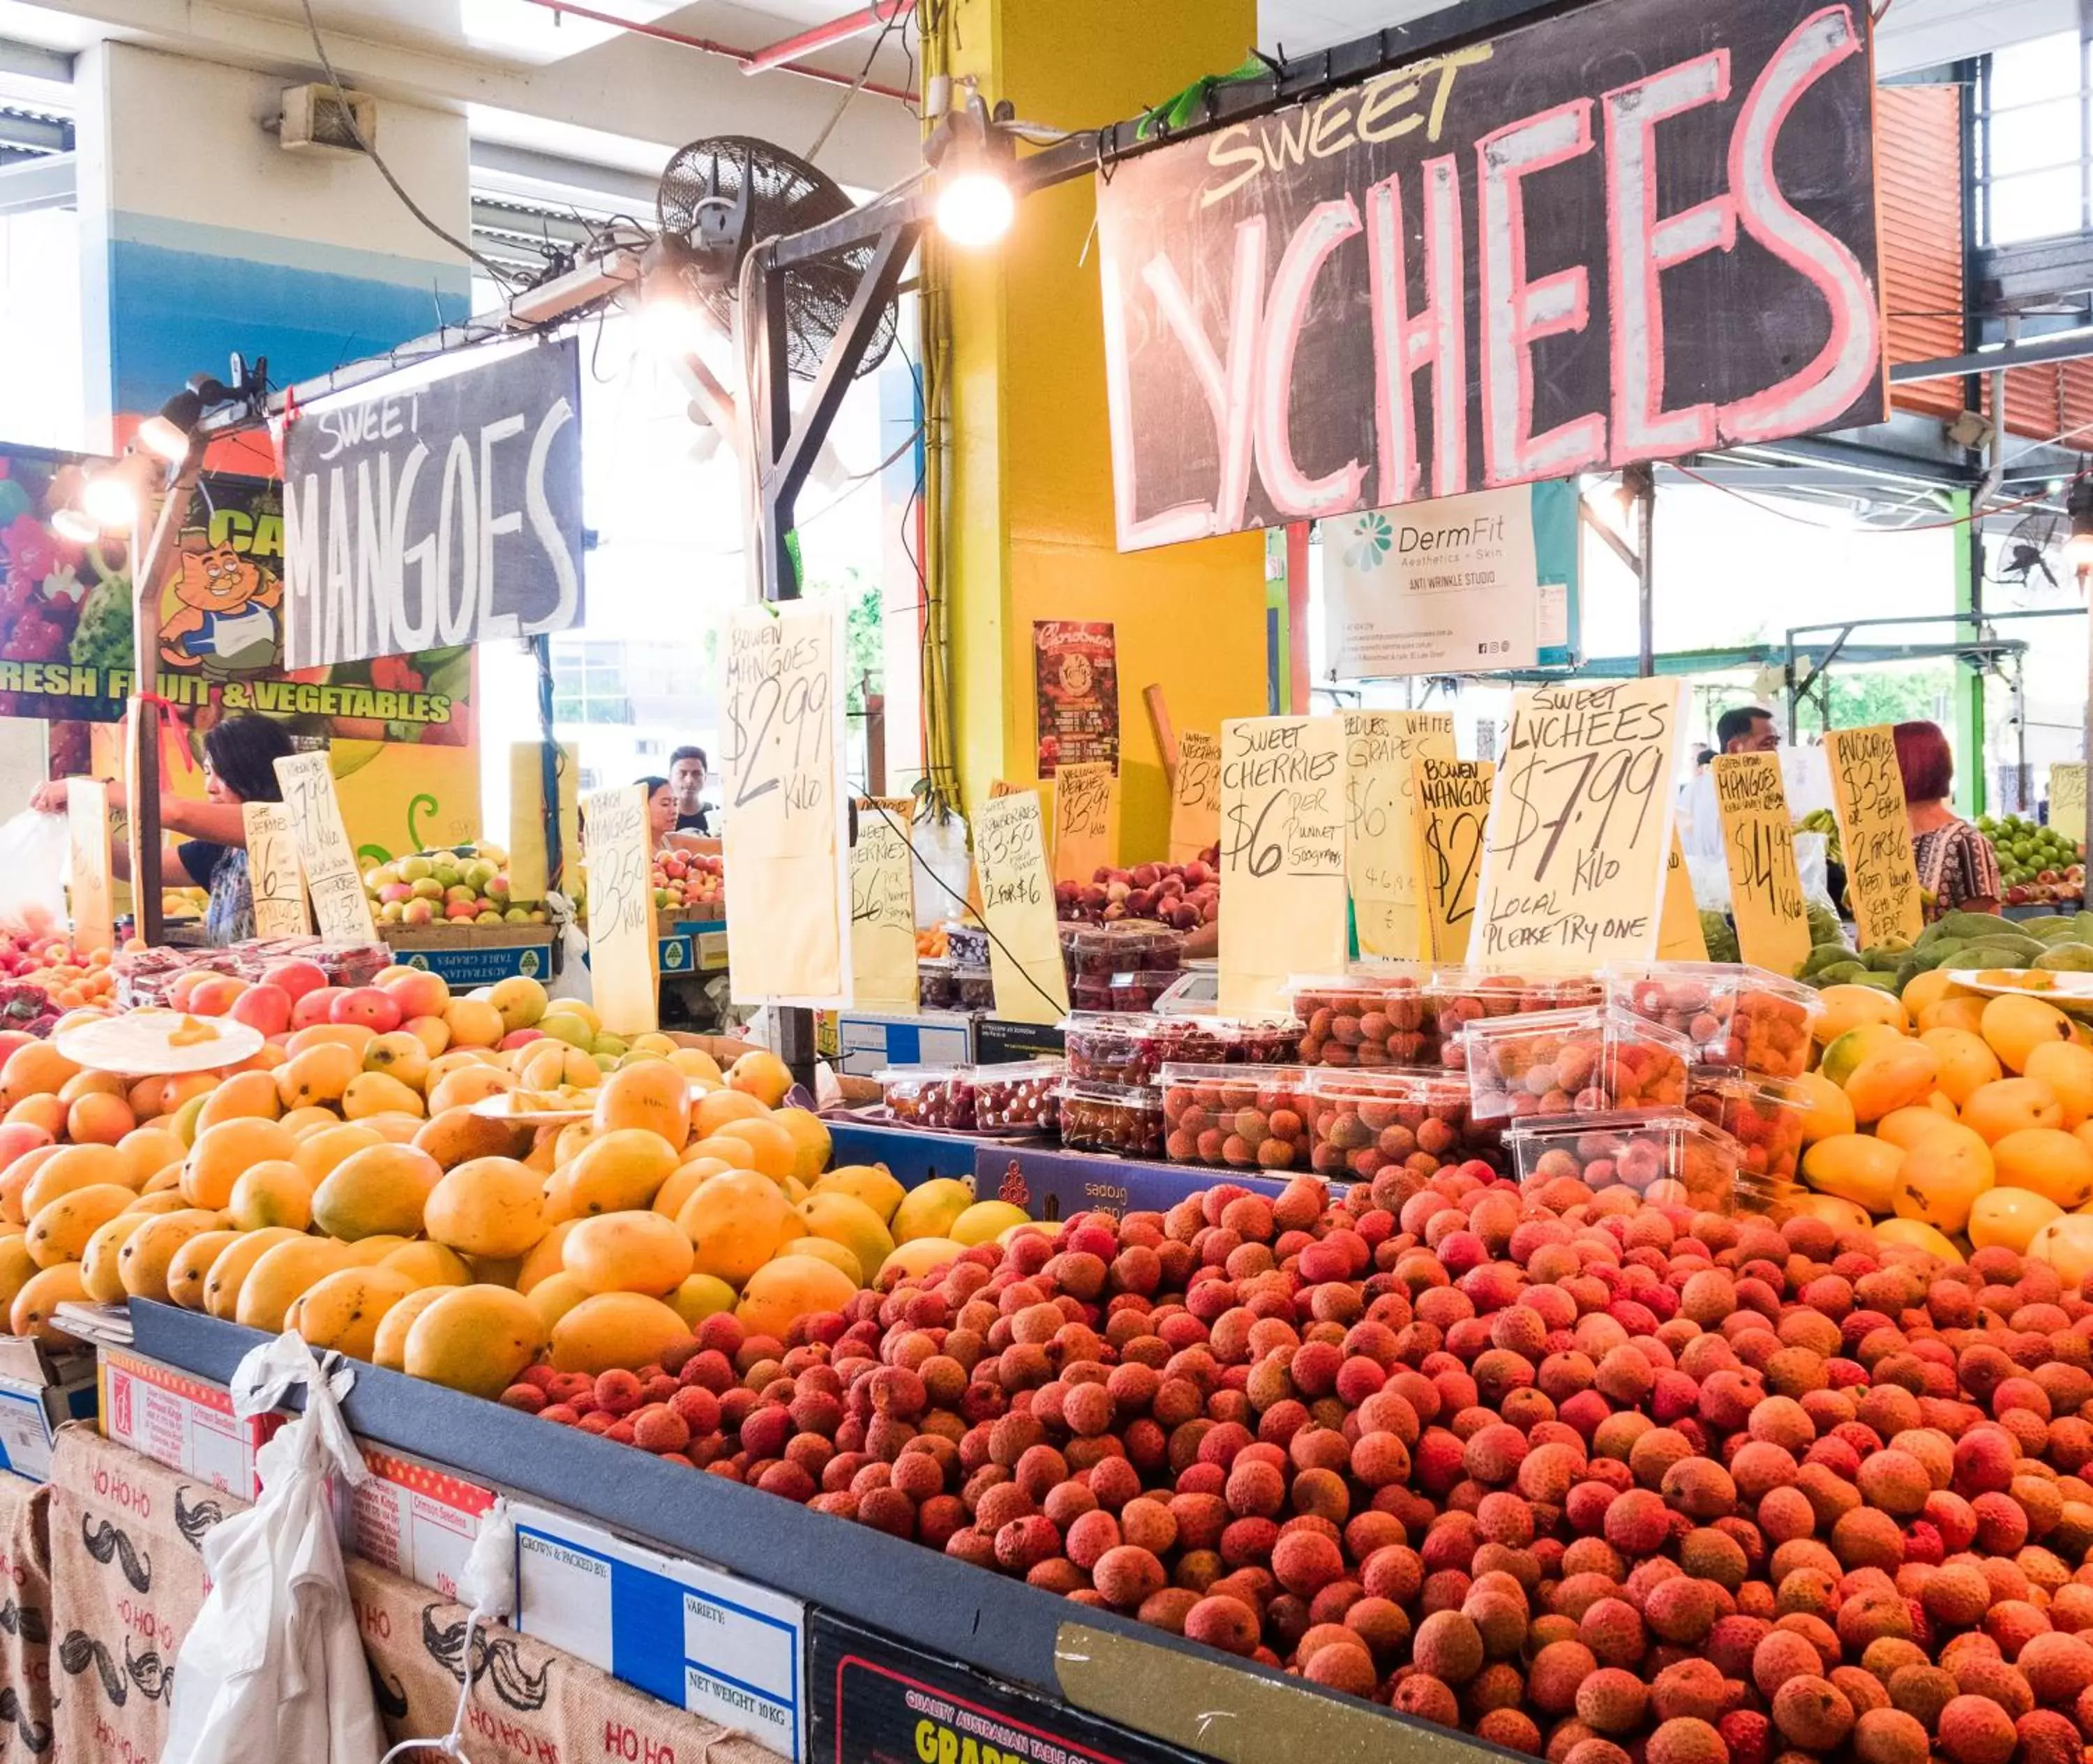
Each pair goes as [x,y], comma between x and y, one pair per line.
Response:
[239,757]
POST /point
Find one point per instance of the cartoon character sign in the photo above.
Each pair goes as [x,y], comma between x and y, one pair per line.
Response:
[230,620]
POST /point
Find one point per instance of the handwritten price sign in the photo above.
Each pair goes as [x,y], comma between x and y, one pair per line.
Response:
[1282,844]
[1573,864]
[273,871]
[620,908]
[1195,797]
[1085,818]
[1758,843]
[1381,850]
[787,837]
[883,904]
[1017,906]
[1453,812]
[340,907]
[1874,834]
[1679,937]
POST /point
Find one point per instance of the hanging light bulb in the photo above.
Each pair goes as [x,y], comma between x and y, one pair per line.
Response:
[975,208]
[110,498]
[75,527]
[169,434]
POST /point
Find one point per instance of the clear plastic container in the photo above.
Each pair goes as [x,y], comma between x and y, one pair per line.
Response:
[1467,995]
[976,990]
[1740,1017]
[928,1096]
[937,984]
[1137,991]
[966,944]
[1196,992]
[1765,1116]
[1666,1156]
[1361,1122]
[1125,946]
[1373,1014]
[1125,1119]
[1022,1097]
[1553,1063]
[1238,1118]
[1133,1047]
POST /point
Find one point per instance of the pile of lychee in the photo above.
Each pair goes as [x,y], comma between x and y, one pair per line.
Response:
[1608,1481]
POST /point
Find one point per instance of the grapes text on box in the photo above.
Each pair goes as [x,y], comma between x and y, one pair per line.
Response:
[1874,835]
[1573,862]
[1382,853]
[1452,809]
[1758,844]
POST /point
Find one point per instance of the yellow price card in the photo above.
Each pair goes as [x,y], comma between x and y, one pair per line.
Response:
[1383,855]
[1874,835]
[1195,797]
[1581,827]
[621,910]
[1017,906]
[340,906]
[1758,843]
[1282,858]
[1085,819]
[274,872]
[883,904]
[1452,809]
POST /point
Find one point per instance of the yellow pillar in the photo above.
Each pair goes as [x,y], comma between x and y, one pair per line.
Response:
[1032,534]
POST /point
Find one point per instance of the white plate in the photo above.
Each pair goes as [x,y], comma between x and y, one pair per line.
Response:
[2072,989]
[503,1107]
[139,1043]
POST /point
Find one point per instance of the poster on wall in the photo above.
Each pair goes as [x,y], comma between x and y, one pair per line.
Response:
[1076,669]
[1520,259]
[66,636]
[439,506]
[1469,584]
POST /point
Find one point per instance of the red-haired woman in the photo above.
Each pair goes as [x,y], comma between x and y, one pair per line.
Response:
[1957,866]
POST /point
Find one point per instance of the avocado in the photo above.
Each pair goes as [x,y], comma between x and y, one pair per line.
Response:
[1822,956]
[1973,925]
[1841,974]
[2067,959]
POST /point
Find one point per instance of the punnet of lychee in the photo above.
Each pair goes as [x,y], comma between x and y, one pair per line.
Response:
[1590,1475]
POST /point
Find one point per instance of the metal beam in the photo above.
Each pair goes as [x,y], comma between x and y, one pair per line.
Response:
[501,170]
[28,61]
[1306,76]
[2034,274]
[50,182]
[2036,353]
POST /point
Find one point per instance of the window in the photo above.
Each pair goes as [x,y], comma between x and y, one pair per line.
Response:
[2032,166]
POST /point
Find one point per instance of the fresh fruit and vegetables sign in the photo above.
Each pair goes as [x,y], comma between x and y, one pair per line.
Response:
[1076,666]
[1874,833]
[1477,269]
[1282,858]
[1758,842]
[66,639]
[1382,859]
[1580,828]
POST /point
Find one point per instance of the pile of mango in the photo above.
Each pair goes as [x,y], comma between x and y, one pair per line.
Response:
[1952,1122]
[2060,943]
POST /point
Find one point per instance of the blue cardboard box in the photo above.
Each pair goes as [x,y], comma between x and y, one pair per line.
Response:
[1051,1184]
[914,1154]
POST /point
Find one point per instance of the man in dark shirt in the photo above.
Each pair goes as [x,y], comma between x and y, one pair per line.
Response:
[687,779]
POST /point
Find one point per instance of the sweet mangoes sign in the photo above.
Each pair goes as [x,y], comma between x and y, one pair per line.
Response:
[436,507]
[1519,260]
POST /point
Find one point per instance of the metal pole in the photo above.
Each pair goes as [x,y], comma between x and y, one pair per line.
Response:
[1640,482]
[152,554]
[550,759]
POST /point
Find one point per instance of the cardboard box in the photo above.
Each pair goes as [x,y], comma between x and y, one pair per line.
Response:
[695,1636]
[30,1416]
[1050,1184]
[409,1516]
[473,955]
[179,1420]
[874,1698]
[997,1042]
[867,1040]
[914,1155]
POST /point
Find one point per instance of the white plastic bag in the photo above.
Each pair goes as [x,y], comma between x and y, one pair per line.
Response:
[572,981]
[273,1668]
[33,851]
